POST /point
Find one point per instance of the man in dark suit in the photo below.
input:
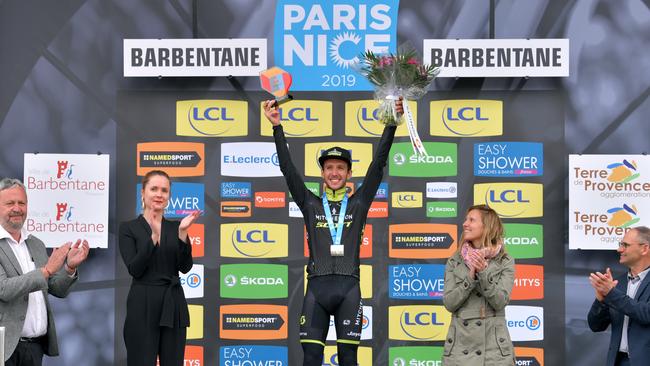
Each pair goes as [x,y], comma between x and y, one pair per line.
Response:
[27,275]
[624,302]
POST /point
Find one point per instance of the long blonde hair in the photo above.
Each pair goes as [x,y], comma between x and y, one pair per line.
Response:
[492,228]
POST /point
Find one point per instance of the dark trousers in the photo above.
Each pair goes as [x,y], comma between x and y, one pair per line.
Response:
[622,359]
[144,346]
[27,354]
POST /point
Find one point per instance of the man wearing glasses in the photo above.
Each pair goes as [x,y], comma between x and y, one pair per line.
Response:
[624,302]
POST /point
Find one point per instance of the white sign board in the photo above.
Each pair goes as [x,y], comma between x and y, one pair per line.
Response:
[498,57]
[67,198]
[194,57]
[608,195]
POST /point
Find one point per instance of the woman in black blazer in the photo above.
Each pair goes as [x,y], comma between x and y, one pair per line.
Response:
[154,250]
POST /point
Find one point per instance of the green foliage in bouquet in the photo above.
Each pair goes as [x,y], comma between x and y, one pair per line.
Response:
[396,75]
[400,71]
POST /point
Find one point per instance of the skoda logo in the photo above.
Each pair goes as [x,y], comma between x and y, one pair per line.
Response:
[399,158]
[230,280]
[399,362]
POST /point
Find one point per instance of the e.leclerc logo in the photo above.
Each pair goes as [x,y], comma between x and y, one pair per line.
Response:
[249,159]
[319,42]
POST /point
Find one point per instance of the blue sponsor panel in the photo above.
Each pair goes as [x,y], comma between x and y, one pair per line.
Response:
[416,281]
[236,190]
[185,198]
[320,42]
[508,159]
[253,355]
[382,191]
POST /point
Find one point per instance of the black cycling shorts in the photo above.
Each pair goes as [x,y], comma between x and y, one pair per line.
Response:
[332,295]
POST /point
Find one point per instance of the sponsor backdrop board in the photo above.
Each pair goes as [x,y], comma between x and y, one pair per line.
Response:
[246,288]
[608,195]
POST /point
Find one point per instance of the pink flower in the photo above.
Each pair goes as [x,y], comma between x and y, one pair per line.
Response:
[412,61]
[385,61]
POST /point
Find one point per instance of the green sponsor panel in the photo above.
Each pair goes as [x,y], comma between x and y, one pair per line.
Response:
[442,209]
[254,281]
[524,240]
[441,161]
[314,187]
[406,356]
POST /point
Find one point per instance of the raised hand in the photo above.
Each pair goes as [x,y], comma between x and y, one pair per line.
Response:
[399,106]
[56,260]
[602,283]
[155,230]
[478,261]
[271,112]
[186,223]
[77,254]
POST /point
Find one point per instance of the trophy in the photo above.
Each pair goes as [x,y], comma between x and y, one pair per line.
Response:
[277,82]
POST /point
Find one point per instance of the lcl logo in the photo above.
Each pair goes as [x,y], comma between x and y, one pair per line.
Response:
[211,114]
[297,114]
[253,236]
[464,114]
[507,196]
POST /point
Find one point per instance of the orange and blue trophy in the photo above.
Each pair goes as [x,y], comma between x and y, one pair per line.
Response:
[277,82]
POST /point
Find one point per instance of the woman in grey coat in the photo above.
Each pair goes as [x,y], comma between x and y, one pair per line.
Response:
[478,282]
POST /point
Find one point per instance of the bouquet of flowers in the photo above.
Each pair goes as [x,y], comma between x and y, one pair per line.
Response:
[395,75]
[398,75]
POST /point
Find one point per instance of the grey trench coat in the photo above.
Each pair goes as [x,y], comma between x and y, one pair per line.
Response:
[478,335]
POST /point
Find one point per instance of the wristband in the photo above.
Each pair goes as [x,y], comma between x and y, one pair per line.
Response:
[68,268]
[49,274]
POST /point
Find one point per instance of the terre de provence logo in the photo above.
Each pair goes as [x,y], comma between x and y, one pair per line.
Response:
[623,172]
[625,216]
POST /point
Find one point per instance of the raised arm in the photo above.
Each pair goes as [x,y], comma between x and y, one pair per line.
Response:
[458,284]
[639,311]
[136,249]
[375,171]
[294,180]
[496,281]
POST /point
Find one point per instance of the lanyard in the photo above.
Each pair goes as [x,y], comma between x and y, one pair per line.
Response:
[336,235]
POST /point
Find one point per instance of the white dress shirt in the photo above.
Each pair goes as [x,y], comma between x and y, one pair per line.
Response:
[633,284]
[36,318]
